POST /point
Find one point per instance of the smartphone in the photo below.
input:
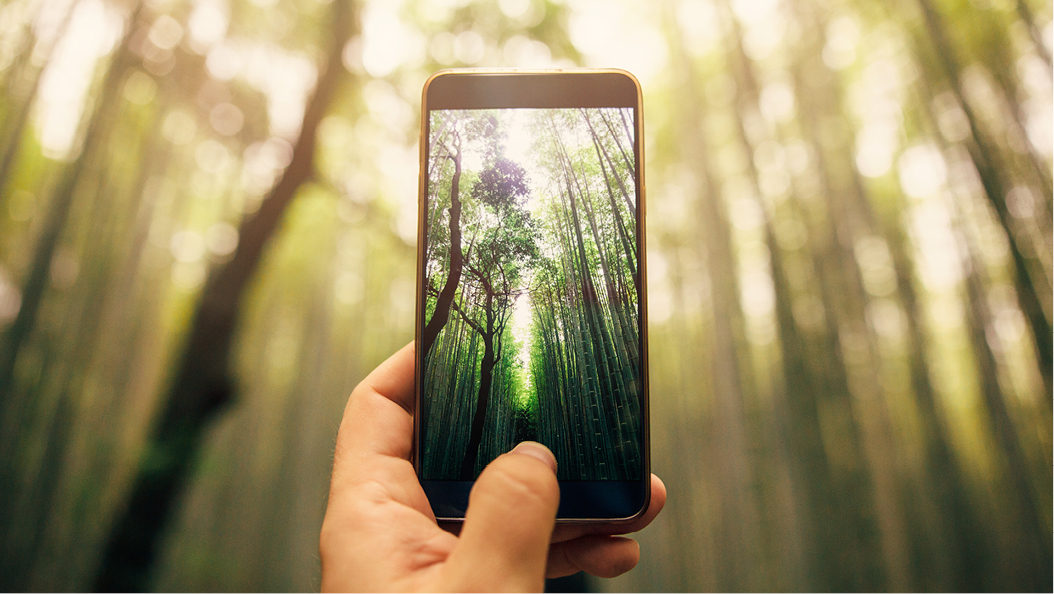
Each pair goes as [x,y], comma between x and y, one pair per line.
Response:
[531,305]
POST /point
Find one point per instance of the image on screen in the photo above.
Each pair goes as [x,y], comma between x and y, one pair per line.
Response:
[531,284]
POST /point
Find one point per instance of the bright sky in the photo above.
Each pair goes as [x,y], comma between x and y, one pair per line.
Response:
[516,124]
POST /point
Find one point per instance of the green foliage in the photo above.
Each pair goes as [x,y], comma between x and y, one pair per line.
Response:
[501,186]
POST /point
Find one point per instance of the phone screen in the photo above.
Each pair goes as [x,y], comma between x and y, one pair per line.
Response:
[532,291]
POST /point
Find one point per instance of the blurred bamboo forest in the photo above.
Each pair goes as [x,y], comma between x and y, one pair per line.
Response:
[207,227]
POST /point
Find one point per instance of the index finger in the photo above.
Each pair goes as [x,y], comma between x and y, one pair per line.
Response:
[378,418]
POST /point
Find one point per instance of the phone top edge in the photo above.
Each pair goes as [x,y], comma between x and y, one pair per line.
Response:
[574,70]
[512,88]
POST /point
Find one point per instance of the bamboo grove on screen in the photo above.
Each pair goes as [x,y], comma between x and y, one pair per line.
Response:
[532,282]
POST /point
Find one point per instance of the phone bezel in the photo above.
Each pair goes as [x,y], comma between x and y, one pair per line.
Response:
[580,501]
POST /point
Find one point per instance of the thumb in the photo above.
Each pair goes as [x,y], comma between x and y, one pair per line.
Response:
[504,542]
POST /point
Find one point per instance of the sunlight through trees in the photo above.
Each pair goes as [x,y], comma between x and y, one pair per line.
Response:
[849,275]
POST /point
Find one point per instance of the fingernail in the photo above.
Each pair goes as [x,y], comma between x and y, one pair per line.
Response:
[536,450]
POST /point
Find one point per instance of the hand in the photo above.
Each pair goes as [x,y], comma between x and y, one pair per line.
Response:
[379,533]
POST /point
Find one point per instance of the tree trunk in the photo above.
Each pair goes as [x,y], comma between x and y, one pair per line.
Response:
[33,290]
[625,158]
[446,296]
[986,161]
[1033,31]
[12,138]
[486,376]
[202,386]
[1030,557]
[631,257]
[850,559]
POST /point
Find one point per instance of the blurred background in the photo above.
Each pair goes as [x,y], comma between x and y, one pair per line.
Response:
[207,229]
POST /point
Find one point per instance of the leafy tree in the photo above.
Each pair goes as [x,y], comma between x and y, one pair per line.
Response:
[498,257]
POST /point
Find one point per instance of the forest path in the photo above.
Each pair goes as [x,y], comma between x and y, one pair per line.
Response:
[521,326]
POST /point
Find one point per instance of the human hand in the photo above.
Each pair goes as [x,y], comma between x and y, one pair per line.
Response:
[379,533]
